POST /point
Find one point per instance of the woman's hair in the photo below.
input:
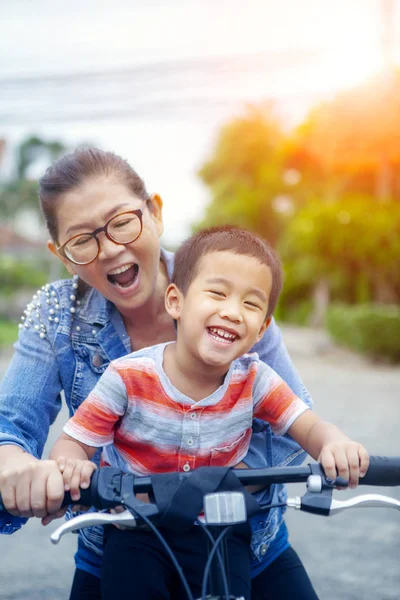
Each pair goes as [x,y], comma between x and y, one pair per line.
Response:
[231,239]
[73,170]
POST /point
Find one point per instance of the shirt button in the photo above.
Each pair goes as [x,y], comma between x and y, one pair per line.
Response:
[192,415]
[190,442]
[263,549]
[186,467]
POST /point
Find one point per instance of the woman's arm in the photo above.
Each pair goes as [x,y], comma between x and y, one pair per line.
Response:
[285,451]
[29,403]
[273,352]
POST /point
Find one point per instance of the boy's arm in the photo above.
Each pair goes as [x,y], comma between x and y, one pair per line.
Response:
[339,455]
[73,458]
[93,422]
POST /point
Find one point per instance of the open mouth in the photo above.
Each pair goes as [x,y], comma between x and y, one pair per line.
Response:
[221,335]
[124,276]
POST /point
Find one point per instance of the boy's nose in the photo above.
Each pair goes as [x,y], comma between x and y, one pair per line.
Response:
[232,313]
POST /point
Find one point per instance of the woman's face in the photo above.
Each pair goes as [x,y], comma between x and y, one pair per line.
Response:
[125,274]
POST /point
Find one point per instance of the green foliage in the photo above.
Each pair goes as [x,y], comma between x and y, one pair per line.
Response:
[353,242]
[16,196]
[297,313]
[371,329]
[33,148]
[16,274]
[245,174]
[338,219]
[8,333]
[20,193]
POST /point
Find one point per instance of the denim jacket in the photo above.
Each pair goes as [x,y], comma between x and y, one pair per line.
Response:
[67,338]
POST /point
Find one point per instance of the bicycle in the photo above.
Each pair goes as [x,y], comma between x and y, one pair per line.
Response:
[220,491]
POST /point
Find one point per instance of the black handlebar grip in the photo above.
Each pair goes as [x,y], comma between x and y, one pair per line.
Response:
[383,471]
[84,500]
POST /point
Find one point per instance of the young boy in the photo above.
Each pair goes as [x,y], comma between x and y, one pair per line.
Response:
[191,403]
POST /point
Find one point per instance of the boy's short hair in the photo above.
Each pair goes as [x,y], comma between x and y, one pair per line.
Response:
[220,239]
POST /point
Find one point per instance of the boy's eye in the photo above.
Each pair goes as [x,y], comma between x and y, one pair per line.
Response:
[253,305]
[217,293]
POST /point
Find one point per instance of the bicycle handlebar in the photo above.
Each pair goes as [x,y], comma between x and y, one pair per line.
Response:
[382,471]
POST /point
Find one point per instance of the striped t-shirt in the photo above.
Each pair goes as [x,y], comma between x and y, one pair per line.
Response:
[148,426]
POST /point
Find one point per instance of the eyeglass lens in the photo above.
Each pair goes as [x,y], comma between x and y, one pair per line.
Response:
[123,229]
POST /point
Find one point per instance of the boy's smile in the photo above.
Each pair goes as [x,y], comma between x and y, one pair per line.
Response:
[223,313]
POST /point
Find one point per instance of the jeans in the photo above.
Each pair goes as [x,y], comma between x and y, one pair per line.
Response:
[136,565]
[284,579]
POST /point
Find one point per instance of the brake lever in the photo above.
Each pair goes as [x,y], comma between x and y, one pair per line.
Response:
[323,503]
[93,518]
[365,500]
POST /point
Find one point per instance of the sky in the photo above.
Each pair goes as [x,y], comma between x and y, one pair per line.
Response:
[154,80]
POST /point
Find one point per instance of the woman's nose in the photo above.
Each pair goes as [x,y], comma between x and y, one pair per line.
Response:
[108,248]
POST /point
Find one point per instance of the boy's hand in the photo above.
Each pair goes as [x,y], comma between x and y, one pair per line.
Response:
[76,474]
[345,459]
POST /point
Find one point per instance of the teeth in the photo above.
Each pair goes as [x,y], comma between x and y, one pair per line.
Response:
[223,334]
[121,269]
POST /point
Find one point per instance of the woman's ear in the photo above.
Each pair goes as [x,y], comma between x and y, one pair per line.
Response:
[155,209]
[68,265]
[264,327]
[173,301]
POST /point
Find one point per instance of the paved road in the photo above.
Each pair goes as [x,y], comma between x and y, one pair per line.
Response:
[353,556]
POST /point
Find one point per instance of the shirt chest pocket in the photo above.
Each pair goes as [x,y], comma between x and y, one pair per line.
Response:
[233,453]
[91,362]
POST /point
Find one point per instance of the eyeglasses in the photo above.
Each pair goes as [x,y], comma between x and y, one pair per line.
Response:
[123,229]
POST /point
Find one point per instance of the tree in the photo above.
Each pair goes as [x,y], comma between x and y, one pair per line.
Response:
[20,194]
[354,140]
[353,245]
[245,174]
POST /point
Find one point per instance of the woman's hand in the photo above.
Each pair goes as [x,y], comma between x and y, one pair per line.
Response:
[345,459]
[29,487]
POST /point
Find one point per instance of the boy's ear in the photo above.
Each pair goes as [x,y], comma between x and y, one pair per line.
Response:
[68,265]
[264,327]
[173,301]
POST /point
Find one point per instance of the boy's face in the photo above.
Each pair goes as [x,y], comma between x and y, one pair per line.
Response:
[223,313]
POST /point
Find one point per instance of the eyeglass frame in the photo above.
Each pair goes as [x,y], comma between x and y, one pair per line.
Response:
[138,212]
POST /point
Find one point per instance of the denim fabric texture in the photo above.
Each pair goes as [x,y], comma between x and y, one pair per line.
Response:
[64,364]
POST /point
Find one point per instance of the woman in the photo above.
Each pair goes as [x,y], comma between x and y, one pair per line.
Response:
[106,230]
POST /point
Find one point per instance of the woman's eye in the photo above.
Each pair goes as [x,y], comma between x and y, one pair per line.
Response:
[81,241]
[122,223]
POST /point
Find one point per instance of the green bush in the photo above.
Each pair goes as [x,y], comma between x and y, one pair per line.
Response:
[298,313]
[8,333]
[373,329]
[16,274]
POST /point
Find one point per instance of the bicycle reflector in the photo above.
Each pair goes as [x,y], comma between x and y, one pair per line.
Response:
[225,508]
